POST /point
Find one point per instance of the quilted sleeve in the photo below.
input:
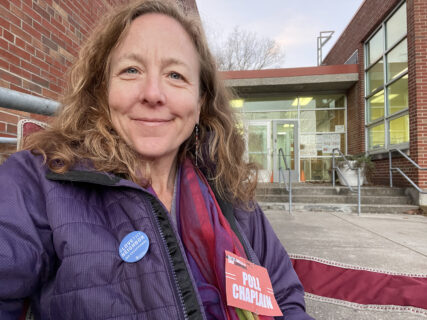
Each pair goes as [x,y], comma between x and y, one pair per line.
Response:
[24,231]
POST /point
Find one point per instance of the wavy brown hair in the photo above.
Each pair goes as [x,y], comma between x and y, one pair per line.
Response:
[83,128]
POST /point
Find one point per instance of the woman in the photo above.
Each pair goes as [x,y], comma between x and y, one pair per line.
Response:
[146,142]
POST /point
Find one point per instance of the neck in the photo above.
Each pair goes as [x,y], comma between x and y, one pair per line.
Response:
[162,175]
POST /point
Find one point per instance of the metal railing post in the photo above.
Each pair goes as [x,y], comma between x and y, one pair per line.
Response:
[333,168]
[390,169]
[358,192]
[281,175]
[290,193]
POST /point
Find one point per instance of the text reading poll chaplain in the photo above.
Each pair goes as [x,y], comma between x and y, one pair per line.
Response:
[124,208]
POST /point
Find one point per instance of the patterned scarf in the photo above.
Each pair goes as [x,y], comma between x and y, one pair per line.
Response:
[206,235]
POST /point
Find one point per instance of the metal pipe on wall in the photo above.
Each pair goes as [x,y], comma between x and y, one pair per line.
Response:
[8,140]
[11,99]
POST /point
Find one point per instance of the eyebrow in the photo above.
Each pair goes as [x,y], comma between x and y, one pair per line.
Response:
[165,62]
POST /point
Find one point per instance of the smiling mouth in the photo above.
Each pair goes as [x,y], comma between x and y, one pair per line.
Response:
[153,122]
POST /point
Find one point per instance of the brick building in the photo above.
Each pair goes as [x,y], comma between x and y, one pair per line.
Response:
[377,104]
[38,41]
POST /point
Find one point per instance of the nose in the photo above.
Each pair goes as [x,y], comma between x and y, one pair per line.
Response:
[152,92]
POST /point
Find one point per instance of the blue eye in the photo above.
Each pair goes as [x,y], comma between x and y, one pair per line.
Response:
[175,76]
[131,70]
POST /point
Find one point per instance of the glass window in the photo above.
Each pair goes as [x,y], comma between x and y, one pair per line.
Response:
[399,130]
[272,104]
[398,95]
[322,120]
[322,101]
[375,76]
[376,106]
[257,145]
[376,137]
[390,85]
[396,26]
[375,47]
[284,139]
[270,115]
[312,145]
[397,60]
[316,169]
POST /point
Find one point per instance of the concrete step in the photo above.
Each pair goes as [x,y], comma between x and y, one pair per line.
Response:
[332,199]
[340,208]
[329,190]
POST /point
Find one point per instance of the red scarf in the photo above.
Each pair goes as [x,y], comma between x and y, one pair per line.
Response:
[206,235]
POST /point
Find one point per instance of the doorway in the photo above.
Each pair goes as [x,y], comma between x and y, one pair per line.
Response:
[285,136]
[258,147]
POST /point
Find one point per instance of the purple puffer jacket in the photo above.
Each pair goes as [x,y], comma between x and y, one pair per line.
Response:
[59,240]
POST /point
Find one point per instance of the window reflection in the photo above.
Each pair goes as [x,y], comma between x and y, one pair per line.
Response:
[398,95]
[375,76]
[376,106]
[257,145]
[272,104]
[316,169]
[399,130]
[391,84]
[376,137]
[397,60]
[322,101]
[396,26]
[375,47]
[321,120]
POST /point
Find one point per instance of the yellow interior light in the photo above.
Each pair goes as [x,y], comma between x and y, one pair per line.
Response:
[237,103]
[295,102]
[305,101]
[302,101]
[378,99]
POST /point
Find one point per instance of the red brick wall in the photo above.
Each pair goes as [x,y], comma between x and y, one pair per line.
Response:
[355,132]
[417,47]
[38,41]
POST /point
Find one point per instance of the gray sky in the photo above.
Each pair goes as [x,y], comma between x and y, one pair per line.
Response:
[293,23]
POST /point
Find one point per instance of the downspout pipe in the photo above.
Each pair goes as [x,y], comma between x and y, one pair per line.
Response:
[11,99]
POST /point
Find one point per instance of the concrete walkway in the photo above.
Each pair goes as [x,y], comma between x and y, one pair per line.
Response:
[388,242]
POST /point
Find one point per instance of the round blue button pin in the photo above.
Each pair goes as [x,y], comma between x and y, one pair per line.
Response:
[134,246]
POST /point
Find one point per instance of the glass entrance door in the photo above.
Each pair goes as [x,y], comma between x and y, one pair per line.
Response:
[285,136]
[259,140]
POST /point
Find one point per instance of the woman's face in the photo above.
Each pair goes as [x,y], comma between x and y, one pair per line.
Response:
[153,92]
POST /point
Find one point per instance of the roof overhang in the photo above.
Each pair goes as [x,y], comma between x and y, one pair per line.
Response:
[337,78]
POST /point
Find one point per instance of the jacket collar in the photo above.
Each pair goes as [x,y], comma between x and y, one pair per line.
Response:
[85,176]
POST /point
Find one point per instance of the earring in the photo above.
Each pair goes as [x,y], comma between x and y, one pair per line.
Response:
[197,142]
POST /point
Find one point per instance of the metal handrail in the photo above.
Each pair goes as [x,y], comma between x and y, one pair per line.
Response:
[282,175]
[401,172]
[342,176]
[11,99]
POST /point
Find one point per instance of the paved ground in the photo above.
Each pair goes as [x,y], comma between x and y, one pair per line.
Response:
[390,242]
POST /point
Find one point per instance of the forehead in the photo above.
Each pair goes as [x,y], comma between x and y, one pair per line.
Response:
[155,33]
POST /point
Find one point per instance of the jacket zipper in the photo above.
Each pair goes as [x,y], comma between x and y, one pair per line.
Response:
[181,298]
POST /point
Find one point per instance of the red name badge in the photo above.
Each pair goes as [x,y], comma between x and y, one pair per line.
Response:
[249,287]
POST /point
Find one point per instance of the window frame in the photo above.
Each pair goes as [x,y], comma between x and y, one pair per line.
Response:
[384,87]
